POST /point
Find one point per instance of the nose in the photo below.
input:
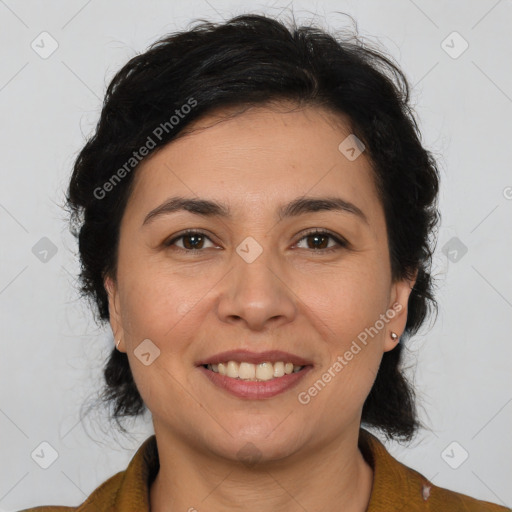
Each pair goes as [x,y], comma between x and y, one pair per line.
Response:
[257,295]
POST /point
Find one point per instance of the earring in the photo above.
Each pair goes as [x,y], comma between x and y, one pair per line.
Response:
[117,343]
[394,336]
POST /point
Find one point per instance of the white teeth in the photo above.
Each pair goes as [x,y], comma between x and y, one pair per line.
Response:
[259,372]
[265,371]
[232,370]
[278,369]
[247,371]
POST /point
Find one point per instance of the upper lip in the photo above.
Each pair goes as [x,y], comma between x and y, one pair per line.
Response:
[271,356]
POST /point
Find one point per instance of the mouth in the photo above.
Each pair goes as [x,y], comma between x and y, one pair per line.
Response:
[254,375]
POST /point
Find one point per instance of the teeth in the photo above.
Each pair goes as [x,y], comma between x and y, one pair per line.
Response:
[278,369]
[265,371]
[259,372]
[232,370]
[246,371]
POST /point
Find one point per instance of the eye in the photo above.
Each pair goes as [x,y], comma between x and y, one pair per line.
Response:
[319,239]
[191,241]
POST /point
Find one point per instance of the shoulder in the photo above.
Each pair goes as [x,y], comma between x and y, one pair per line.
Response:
[101,499]
[56,508]
[126,490]
[452,500]
[396,484]
[434,498]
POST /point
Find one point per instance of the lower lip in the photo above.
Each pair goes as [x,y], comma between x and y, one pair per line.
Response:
[255,390]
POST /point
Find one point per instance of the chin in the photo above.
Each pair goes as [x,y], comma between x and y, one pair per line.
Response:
[263,441]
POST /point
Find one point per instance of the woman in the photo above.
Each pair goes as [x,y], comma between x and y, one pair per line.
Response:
[254,216]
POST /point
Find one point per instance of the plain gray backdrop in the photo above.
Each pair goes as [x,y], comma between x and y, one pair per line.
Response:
[56,61]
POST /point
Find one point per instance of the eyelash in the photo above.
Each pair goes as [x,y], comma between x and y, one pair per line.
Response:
[339,241]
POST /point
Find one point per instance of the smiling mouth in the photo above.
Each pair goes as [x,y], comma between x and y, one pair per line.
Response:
[254,372]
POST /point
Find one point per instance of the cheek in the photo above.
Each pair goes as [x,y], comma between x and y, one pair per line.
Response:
[348,299]
[349,313]
[162,308]
[166,306]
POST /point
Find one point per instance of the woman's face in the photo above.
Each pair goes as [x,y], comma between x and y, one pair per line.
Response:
[251,277]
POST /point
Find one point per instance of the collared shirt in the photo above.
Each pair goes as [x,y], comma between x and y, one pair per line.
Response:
[395,486]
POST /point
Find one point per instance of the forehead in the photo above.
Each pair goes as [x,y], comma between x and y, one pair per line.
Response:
[257,158]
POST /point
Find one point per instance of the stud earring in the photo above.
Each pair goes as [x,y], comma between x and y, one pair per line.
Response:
[394,336]
[117,343]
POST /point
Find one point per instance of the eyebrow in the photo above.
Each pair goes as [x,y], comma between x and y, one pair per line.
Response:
[299,206]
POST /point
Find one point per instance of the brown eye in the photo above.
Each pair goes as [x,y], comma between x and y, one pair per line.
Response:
[193,241]
[319,241]
[190,241]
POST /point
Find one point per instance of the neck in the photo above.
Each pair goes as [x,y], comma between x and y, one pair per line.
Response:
[329,478]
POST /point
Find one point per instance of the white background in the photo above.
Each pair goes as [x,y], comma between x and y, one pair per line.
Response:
[52,351]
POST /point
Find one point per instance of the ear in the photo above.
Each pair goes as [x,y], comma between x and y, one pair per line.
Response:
[400,292]
[114,311]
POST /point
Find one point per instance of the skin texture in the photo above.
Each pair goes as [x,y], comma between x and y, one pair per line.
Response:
[293,297]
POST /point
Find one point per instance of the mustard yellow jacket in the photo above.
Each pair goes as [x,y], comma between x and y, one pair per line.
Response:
[395,486]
